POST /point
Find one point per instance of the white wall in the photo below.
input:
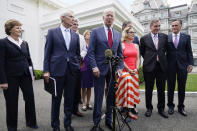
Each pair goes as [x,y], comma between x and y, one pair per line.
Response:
[28,13]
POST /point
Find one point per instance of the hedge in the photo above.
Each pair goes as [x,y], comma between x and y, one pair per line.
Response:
[38,74]
[141,76]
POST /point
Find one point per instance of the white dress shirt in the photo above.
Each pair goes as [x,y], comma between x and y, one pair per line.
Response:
[106,31]
[83,50]
[153,35]
[66,35]
[18,43]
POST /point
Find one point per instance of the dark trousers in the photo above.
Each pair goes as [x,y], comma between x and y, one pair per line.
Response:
[150,77]
[77,94]
[11,98]
[67,85]
[181,75]
[98,98]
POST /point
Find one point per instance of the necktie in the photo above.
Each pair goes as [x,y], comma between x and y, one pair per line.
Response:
[156,44]
[175,41]
[67,38]
[110,41]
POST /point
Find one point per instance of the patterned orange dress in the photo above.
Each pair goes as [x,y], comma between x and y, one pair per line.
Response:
[128,84]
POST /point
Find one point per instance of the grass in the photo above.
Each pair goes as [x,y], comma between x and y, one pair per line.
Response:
[191,84]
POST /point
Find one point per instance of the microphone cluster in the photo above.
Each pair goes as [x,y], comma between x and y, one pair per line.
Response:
[110,57]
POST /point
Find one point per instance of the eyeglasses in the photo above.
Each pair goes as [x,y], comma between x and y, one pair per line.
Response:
[131,32]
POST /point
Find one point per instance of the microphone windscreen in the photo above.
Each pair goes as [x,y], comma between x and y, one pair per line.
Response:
[108,53]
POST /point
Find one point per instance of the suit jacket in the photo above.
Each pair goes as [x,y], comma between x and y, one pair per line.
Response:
[149,52]
[98,44]
[182,55]
[136,40]
[14,61]
[57,58]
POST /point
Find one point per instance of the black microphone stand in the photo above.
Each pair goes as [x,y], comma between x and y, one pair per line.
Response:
[121,118]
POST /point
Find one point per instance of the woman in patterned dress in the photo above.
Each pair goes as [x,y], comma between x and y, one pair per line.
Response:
[127,94]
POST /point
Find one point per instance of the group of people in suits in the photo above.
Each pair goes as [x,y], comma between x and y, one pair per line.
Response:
[165,57]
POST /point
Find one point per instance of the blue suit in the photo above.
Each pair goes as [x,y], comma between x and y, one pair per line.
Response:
[178,60]
[64,66]
[96,54]
[136,40]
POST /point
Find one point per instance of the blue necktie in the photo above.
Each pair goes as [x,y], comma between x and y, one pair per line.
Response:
[67,38]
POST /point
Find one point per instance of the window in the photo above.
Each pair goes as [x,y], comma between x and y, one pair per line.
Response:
[178,13]
[146,17]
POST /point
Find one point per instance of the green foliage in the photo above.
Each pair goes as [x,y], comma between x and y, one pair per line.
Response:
[191,84]
[141,76]
[38,74]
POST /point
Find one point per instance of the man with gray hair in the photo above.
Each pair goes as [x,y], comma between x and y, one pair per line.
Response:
[62,62]
[83,52]
[103,38]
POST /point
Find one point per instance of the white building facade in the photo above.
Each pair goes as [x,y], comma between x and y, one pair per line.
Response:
[152,9]
[37,16]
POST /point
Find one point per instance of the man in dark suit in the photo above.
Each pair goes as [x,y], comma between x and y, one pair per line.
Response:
[180,61]
[129,24]
[83,52]
[153,49]
[101,39]
[62,62]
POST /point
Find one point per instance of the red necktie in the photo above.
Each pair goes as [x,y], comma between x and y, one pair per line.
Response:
[110,41]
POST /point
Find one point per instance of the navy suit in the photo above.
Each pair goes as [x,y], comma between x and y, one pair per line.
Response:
[153,69]
[96,54]
[178,60]
[136,40]
[64,66]
[14,68]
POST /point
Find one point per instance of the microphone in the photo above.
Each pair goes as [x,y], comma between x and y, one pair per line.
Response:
[108,54]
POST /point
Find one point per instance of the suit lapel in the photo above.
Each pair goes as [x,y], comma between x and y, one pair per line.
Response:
[180,39]
[115,36]
[17,47]
[159,40]
[71,39]
[104,36]
[151,41]
[170,40]
[59,33]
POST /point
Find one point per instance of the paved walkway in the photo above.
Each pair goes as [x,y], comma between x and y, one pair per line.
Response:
[175,122]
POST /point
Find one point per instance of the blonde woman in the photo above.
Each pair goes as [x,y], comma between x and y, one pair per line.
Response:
[127,94]
[87,77]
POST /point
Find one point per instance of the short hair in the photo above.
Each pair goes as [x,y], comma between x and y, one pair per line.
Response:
[75,19]
[10,24]
[154,21]
[85,32]
[180,21]
[125,33]
[125,23]
[65,14]
[107,10]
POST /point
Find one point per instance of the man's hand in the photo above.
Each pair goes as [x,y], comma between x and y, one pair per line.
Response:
[96,72]
[46,76]
[4,86]
[189,68]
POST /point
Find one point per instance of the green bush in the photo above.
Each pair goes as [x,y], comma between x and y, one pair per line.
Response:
[38,74]
[141,76]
